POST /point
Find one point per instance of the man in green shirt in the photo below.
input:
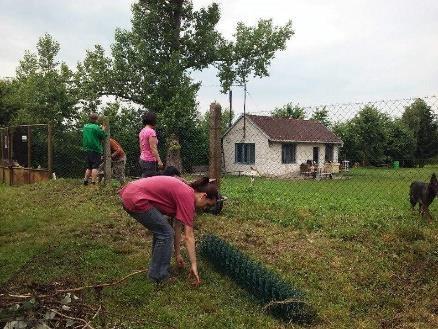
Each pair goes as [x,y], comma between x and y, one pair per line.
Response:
[92,137]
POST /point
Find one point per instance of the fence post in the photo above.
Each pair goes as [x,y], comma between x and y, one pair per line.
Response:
[50,150]
[29,147]
[214,169]
[10,154]
[29,154]
[107,151]
[10,144]
[2,146]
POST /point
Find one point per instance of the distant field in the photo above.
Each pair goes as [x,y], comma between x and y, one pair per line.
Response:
[352,244]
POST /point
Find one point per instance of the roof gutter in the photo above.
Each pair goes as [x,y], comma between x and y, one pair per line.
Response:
[297,141]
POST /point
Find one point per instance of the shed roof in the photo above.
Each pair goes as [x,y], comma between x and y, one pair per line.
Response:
[294,130]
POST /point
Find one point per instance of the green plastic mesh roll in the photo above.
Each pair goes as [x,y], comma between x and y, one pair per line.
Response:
[282,300]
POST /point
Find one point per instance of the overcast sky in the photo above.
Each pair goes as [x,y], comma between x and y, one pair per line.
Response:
[342,50]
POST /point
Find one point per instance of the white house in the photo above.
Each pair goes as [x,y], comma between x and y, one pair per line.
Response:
[278,146]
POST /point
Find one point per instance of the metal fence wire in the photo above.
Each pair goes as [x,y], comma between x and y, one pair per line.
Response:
[293,142]
[26,154]
[297,141]
[25,146]
[387,143]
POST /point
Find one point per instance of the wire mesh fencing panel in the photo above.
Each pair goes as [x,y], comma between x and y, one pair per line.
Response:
[25,146]
[396,139]
[396,133]
[128,140]
[69,157]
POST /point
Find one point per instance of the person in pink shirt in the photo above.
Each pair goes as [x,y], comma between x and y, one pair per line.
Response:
[149,199]
[150,160]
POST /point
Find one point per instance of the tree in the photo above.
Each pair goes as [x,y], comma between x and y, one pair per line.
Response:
[401,142]
[370,126]
[251,52]
[289,111]
[321,115]
[350,149]
[151,64]
[372,138]
[420,120]
[42,91]
[8,103]
[41,94]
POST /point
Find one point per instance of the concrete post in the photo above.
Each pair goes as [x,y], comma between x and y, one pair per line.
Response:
[214,170]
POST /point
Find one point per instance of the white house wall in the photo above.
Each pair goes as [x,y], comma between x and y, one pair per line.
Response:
[267,154]
[253,135]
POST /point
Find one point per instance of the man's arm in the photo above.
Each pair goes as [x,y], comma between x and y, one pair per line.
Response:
[116,150]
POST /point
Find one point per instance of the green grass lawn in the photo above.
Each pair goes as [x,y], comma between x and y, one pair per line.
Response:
[353,245]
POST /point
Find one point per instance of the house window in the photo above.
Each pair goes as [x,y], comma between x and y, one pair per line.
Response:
[245,153]
[329,151]
[288,152]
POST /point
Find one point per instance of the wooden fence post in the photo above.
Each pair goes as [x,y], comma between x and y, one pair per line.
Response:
[29,147]
[10,155]
[50,150]
[10,144]
[29,154]
[214,169]
[2,137]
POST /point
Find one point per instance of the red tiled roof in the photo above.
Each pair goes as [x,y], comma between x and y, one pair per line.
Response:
[294,130]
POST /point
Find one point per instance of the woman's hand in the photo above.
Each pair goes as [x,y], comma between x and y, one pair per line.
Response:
[194,274]
[160,164]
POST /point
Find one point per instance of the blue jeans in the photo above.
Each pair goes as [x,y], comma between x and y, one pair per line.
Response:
[162,242]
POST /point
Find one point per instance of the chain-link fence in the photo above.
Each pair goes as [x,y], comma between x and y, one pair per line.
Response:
[344,154]
[26,155]
[293,142]
[285,143]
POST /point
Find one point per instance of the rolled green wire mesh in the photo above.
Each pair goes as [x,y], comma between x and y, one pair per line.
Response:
[279,298]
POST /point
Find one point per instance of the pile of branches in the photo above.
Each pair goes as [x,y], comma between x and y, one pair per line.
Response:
[50,306]
[280,299]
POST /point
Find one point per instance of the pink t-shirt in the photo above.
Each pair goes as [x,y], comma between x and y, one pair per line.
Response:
[168,194]
[145,148]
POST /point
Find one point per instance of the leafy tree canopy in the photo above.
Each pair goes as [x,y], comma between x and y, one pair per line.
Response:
[151,63]
[289,111]
[321,115]
[8,101]
[42,93]
[401,142]
[420,120]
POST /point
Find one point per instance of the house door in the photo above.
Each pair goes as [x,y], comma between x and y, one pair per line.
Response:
[316,154]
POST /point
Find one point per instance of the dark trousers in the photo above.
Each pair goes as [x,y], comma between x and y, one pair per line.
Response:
[148,168]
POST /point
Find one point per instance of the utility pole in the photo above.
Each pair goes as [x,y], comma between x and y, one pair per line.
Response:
[230,94]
